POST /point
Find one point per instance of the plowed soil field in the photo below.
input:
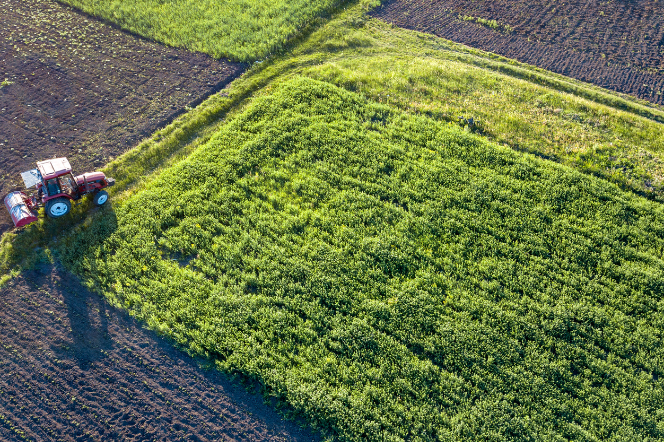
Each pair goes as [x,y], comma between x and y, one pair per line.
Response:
[73,86]
[73,368]
[618,45]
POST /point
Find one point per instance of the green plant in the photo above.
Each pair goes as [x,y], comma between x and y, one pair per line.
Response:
[392,277]
[493,24]
[379,270]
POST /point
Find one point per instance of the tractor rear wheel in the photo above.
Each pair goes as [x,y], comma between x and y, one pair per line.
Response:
[58,207]
[100,198]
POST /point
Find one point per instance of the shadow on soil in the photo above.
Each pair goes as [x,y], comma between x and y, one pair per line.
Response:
[74,367]
[88,316]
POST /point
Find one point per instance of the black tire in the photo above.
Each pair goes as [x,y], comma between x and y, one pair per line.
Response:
[58,207]
[100,198]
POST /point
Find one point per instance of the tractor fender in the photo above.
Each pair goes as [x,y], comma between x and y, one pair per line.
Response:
[59,195]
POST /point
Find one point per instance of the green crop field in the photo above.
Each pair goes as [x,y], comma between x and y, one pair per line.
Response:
[243,30]
[390,277]
[332,230]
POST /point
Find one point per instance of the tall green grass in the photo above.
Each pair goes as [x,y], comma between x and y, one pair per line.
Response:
[244,30]
[601,133]
[390,277]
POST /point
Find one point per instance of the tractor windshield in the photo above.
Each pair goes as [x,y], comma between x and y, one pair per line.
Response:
[52,187]
[68,184]
[61,185]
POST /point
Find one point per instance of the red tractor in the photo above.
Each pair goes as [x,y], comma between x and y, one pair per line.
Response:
[56,189]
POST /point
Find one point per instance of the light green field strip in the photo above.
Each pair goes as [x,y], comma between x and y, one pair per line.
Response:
[526,108]
[389,277]
[517,105]
[243,30]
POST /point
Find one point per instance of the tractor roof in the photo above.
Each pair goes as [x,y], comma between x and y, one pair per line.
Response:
[53,168]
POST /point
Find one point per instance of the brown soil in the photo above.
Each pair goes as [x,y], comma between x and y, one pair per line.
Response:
[79,88]
[73,368]
[616,45]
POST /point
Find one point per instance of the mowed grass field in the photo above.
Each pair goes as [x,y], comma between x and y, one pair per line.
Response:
[389,277]
[330,229]
[242,30]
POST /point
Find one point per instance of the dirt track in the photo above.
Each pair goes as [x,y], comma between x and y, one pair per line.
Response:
[616,45]
[79,88]
[73,368]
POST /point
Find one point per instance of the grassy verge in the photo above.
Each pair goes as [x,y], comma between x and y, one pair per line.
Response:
[390,277]
[244,30]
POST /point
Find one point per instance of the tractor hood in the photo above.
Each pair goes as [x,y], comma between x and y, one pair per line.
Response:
[89,177]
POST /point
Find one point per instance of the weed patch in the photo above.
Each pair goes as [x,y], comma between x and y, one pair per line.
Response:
[493,24]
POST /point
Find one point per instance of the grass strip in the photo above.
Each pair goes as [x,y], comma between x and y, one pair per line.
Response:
[243,30]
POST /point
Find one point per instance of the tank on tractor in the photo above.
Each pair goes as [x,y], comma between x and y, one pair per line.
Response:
[55,187]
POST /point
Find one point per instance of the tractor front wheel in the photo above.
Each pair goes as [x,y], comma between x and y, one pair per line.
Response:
[100,198]
[58,207]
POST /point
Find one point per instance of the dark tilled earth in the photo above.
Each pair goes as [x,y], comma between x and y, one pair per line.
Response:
[618,45]
[73,86]
[72,368]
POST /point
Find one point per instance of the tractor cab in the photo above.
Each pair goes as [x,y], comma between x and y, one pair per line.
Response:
[57,180]
[62,185]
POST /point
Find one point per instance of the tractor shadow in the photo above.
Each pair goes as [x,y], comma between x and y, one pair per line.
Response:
[87,312]
[87,316]
[124,373]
